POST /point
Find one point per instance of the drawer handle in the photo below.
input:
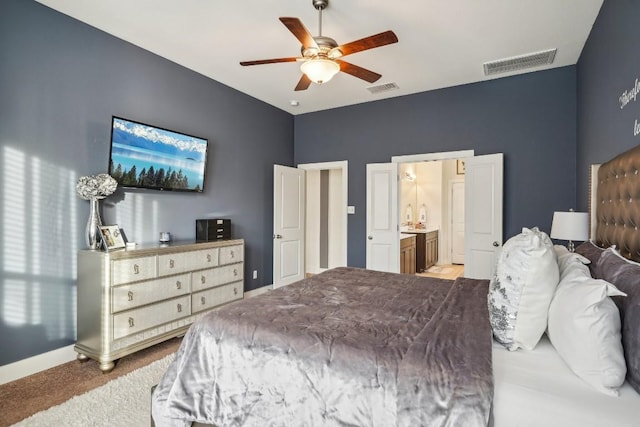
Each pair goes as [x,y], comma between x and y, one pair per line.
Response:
[235,291]
[203,300]
[136,269]
[220,230]
[235,272]
[131,322]
[178,284]
[179,308]
[208,257]
[203,280]
[171,263]
[130,295]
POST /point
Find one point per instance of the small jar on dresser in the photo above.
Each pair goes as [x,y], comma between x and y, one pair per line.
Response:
[131,299]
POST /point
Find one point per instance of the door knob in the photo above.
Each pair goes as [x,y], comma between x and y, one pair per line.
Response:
[277,236]
[496,244]
[370,237]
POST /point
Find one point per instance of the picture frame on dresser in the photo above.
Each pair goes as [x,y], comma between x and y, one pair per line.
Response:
[111,237]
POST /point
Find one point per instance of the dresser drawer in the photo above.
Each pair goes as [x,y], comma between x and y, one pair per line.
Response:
[173,263]
[216,296]
[133,270]
[130,296]
[139,319]
[216,276]
[231,254]
[205,259]
[187,261]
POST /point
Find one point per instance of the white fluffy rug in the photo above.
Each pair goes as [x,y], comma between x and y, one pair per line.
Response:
[123,402]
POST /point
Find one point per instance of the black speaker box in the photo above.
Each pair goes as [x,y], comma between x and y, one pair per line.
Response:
[209,230]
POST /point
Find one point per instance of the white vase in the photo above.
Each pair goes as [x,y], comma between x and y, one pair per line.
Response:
[91,232]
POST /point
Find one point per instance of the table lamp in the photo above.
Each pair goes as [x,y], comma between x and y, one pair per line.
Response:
[570,226]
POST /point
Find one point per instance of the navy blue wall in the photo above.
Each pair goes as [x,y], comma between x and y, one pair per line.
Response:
[60,83]
[609,66]
[530,118]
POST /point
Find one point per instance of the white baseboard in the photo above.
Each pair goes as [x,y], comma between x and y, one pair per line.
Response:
[259,291]
[40,362]
[25,367]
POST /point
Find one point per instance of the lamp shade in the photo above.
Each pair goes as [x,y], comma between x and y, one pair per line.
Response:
[570,226]
[320,70]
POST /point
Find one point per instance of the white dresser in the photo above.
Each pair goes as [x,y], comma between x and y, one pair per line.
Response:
[131,299]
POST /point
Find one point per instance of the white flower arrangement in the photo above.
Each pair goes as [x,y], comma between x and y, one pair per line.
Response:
[96,186]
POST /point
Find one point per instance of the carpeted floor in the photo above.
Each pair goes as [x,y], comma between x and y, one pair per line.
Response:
[26,396]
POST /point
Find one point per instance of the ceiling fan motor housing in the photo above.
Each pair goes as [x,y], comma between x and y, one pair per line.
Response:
[327,48]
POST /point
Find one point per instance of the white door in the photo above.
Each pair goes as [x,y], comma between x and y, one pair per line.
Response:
[483,217]
[288,225]
[457,222]
[383,240]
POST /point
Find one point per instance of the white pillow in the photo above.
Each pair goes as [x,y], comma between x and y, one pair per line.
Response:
[584,326]
[521,291]
[571,263]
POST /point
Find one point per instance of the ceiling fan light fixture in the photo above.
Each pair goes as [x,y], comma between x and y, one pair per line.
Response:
[320,70]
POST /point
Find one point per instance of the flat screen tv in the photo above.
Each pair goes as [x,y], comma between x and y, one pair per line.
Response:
[144,156]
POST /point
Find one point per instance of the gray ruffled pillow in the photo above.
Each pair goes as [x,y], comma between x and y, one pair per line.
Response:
[625,275]
[590,251]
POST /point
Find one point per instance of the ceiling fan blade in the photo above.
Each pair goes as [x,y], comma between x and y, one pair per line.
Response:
[298,29]
[269,61]
[359,72]
[304,83]
[382,39]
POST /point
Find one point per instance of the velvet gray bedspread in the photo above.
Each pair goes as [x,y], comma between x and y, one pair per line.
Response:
[348,347]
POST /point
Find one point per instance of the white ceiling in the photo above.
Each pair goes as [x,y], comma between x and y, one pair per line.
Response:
[442,43]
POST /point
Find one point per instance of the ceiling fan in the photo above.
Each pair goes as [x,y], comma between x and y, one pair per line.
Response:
[320,54]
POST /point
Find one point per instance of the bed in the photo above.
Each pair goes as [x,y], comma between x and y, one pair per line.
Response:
[535,388]
[352,347]
[345,347]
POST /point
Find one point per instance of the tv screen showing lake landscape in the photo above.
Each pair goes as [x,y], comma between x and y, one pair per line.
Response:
[144,156]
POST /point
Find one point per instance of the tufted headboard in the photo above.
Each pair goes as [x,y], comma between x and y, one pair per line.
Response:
[618,204]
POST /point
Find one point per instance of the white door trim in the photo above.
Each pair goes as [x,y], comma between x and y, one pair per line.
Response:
[443,256]
[445,155]
[343,165]
[449,255]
